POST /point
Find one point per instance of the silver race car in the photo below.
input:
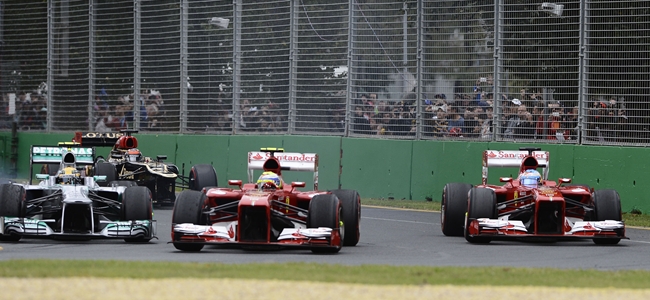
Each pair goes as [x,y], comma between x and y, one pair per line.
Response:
[71,205]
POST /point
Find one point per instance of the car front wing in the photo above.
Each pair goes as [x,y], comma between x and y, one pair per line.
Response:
[225,234]
[113,229]
[499,228]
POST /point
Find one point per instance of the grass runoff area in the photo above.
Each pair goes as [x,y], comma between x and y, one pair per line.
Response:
[363,274]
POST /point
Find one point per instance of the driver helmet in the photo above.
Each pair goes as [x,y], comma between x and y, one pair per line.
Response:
[530,178]
[133,155]
[269,180]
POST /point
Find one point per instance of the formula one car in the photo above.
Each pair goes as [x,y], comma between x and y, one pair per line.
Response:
[126,164]
[271,214]
[530,206]
[70,205]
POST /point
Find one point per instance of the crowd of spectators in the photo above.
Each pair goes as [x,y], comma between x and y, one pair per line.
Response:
[120,115]
[526,116]
[30,111]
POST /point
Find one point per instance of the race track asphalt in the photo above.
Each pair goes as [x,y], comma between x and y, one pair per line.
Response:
[388,236]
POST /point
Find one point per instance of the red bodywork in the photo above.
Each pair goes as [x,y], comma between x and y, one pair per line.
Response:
[249,213]
[548,210]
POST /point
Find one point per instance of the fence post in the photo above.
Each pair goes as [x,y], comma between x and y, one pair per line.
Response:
[136,64]
[293,64]
[236,71]
[183,60]
[91,63]
[50,50]
[582,71]
[418,88]
[348,97]
[496,109]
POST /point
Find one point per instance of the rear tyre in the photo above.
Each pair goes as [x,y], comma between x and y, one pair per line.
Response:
[325,211]
[202,176]
[607,206]
[12,204]
[351,204]
[105,169]
[482,204]
[137,206]
[453,207]
[188,208]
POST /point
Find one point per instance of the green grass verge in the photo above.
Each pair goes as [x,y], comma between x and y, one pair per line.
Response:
[638,220]
[364,274]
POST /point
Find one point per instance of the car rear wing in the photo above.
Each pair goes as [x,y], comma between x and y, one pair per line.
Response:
[99,139]
[512,159]
[54,154]
[288,161]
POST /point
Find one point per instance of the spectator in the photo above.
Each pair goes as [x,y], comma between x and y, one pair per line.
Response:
[488,124]
[472,127]
[457,123]
[361,122]
[540,122]
[525,127]
[440,126]
[557,123]
[572,124]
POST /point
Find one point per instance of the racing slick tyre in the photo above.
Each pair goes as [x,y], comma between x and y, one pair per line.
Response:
[105,169]
[12,204]
[607,206]
[137,206]
[325,211]
[126,183]
[188,208]
[202,176]
[453,207]
[351,204]
[482,204]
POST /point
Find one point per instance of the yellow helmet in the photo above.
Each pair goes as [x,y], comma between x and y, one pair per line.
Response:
[269,180]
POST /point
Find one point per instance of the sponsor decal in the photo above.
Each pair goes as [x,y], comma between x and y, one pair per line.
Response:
[110,135]
[231,231]
[56,151]
[301,157]
[515,154]
[547,191]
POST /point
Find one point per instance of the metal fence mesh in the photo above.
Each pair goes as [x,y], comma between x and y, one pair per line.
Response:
[507,70]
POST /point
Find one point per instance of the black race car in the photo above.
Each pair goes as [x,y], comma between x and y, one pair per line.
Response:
[126,165]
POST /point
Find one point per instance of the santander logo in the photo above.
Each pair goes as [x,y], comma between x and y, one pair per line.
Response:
[515,154]
[300,157]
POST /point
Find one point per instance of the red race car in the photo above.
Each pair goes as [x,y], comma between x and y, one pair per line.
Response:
[529,206]
[267,213]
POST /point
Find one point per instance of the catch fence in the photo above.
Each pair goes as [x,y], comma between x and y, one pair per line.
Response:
[506,70]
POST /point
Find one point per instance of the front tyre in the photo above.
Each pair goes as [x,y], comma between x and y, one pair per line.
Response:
[137,206]
[188,208]
[453,208]
[607,206]
[12,204]
[351,204]
[325,211]
[482,204]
